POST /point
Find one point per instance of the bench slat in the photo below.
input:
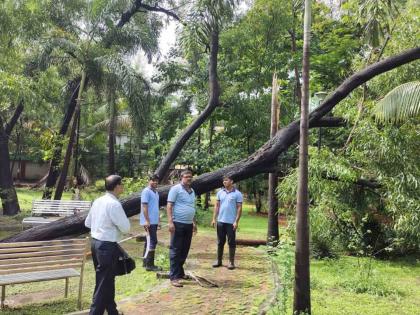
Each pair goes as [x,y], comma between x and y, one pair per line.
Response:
[38,276]
[61,202]
[39,220]
[40,268]
[55,261]
[52,242]
[35,254]
[41,248]
[38,259]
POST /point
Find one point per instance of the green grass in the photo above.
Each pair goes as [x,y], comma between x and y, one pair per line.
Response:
[251,225]
[342,287]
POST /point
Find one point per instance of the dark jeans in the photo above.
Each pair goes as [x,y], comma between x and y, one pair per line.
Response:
[104,256]
[153,236]
[179,248]
[223,230]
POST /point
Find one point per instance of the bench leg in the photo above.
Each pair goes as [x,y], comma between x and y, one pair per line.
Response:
[3,295]
[79,296]
[66,290]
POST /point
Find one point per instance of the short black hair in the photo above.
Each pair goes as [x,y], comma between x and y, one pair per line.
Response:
[154,177]
[112,181]
[185,172]
[227,176]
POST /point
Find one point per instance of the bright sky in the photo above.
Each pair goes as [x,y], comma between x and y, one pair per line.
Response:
[167,40]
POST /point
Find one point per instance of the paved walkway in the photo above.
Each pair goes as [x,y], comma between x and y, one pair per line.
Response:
[240,291]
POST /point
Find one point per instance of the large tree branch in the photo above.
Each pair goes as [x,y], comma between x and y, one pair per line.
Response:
[329,122]
[259,162]
[213,102]
[12,122]
[137,5]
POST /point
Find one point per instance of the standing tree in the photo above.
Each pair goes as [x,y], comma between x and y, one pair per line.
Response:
[8,194]
[273,205]
[302,297]
[69,151]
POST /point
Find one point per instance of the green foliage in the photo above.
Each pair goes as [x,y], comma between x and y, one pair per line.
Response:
[282,258]
[400,103]
[134,185]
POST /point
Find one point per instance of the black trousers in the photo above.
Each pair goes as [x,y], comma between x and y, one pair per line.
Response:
[226,230]
[153,236]
[179,248]
[104,256]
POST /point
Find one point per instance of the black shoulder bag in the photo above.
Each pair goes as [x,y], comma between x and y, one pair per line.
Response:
[125,263]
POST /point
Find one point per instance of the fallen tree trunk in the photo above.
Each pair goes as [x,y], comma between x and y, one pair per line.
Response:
[259,162]
[243,242]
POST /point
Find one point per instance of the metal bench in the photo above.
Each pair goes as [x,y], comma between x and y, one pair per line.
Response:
[46,211]
[24,262]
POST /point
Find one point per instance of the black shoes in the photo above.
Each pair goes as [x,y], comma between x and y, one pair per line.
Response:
[149,262]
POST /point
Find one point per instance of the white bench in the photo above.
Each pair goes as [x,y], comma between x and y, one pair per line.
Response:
[23,262]
[46,211]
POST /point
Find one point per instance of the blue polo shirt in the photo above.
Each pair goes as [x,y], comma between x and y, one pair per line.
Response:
[228,201]
[184,204]
[151,198]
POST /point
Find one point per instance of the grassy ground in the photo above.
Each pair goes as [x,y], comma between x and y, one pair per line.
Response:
[359,286]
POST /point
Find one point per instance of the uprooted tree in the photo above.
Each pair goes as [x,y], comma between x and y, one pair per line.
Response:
[261,161]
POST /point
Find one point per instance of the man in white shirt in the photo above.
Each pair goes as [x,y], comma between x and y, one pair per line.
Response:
[107,222]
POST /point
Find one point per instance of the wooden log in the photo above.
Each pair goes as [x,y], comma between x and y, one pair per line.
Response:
[255,243]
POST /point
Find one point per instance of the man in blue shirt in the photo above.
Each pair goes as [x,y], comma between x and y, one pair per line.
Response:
[182,224]
[149,219]
[228,210]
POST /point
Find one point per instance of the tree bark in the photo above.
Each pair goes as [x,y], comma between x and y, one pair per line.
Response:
[54,169]
[214,91]
[63,176]
[302,290]
[259,162]
[111,136]
[8,196]
[273,205]
[298,92]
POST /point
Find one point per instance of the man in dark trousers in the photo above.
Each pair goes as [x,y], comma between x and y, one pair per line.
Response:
[107,222]
[182,224]
[227,212]
[149,219]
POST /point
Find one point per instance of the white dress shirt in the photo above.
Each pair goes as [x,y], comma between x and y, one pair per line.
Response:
[107,219]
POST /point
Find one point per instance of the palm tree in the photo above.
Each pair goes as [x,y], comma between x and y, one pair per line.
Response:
[99,53]
[399,104]
[302,298]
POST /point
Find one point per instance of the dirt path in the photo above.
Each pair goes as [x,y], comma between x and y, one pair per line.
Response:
[240,291]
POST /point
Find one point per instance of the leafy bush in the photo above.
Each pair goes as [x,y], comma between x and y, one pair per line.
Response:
[282,257]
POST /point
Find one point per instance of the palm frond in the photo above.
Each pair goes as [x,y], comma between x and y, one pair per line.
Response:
[134,87]
[399,104]
[121,122]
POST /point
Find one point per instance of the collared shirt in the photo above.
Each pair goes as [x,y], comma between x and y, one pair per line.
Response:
[107,219]
[184,204]
[151,198]
[228,202]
